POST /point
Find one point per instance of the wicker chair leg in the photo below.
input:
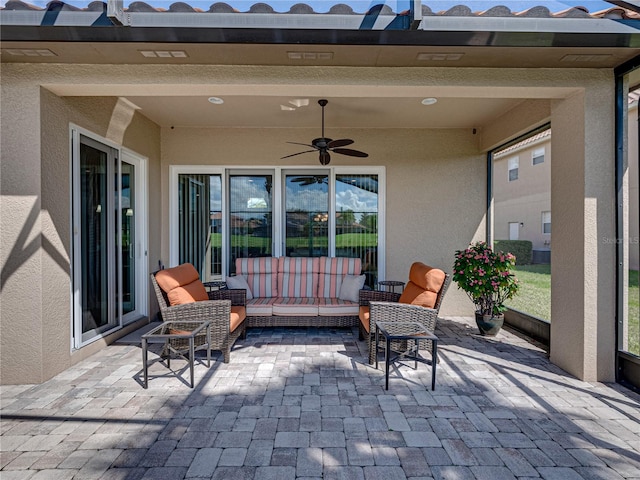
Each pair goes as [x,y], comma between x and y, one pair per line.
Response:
[372,349]
[227,355]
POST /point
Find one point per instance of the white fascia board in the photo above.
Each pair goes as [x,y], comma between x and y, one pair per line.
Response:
[527,24]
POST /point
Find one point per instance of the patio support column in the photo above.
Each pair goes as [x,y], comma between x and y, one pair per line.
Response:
[583,230]
[20,233]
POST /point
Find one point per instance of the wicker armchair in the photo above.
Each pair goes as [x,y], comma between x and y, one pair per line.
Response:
[386,306]
[217,310]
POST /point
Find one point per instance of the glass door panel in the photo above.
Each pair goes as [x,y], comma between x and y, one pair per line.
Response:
[96,246]
[250,217]
[307,215]
[200,223]
[357,221]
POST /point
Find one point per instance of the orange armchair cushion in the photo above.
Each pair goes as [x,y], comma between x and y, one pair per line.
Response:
[238,314]
[181,284]
[424,284]
[365,316]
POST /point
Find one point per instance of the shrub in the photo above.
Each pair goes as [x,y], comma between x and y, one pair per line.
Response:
[521,249]
[486,277]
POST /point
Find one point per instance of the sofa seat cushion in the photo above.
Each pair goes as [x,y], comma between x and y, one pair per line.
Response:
[365,318]
[296,306]
[423,286]
[333,307]
[260,306]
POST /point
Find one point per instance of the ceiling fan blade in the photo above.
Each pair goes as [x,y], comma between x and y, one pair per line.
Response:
[342,142]
[303,144]
[325,158]
[348,151]
[299,153]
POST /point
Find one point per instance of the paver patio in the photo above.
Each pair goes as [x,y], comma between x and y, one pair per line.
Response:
[305,404]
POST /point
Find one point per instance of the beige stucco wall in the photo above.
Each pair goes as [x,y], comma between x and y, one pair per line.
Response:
[437,176]
[35,219]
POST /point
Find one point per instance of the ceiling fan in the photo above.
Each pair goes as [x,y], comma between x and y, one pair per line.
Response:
[324,145]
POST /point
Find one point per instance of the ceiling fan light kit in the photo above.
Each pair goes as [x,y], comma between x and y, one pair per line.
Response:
[324,146]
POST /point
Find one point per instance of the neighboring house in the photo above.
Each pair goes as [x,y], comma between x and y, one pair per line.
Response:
[522,191]
[191,111]
[522,194]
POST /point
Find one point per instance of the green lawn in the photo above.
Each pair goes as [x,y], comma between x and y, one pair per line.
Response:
[534,298]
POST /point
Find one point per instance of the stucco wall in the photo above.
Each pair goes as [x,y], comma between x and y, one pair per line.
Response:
[35,221]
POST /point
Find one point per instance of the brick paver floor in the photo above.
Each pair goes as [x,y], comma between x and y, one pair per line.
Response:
[303,403]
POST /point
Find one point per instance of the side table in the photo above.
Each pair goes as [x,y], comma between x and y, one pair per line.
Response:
[173,330]
[393,331]
[215,285]
[390,285]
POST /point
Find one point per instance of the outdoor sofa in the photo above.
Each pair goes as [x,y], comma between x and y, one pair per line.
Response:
[300,291]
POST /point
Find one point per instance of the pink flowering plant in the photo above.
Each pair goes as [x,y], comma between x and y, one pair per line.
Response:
[486,277]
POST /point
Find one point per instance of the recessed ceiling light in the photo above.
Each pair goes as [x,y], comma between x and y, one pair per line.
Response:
[287,108]
[216,100]
[429,101]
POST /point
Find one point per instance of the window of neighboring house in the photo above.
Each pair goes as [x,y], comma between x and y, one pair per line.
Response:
[546,222]
[538,156]
[514,163]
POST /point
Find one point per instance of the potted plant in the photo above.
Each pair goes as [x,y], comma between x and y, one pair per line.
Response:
[486,277]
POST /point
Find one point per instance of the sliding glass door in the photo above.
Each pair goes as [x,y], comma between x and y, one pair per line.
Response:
[109,251]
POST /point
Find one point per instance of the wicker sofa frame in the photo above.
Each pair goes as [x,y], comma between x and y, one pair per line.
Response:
[217,310]
[384,306]
[342,321]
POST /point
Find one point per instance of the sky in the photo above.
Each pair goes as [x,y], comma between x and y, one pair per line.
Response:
[360,6]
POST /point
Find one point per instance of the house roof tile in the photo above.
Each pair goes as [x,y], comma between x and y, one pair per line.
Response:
[339,9]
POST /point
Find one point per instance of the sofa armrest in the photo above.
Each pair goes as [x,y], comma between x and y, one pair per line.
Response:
[238,296]
[367,296]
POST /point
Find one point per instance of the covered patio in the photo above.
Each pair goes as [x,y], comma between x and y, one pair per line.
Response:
[304,403]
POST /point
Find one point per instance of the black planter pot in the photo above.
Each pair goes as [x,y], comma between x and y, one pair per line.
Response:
[489,325]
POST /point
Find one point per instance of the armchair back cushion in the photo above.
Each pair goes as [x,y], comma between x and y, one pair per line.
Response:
[423,286]
[332,272]
[261,274]
[298,276]
[181,284]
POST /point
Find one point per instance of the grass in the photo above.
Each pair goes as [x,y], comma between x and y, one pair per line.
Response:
[534,298]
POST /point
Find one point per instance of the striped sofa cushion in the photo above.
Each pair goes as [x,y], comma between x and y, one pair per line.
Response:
[261,274]
[332,307]
[332,271]
[298,276]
